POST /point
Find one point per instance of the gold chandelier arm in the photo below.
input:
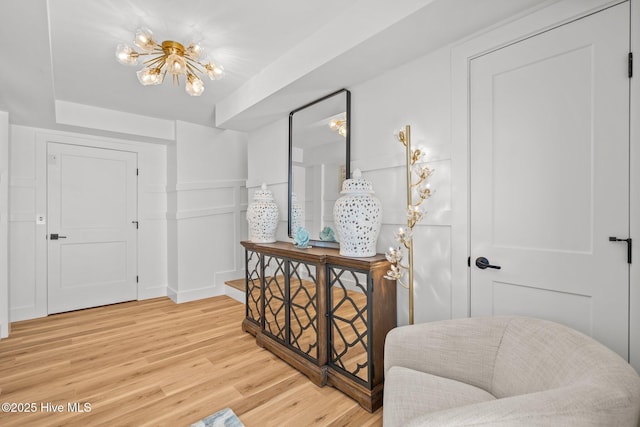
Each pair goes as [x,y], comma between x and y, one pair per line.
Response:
[157,50]
[156,62]
[192,66]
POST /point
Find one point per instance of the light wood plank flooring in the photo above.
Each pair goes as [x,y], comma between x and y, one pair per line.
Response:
[157,363]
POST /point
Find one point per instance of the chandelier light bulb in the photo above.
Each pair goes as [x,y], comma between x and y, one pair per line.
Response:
[215,72]
[176,64]
[194,86]
[126,55]
[195,51]
[150,76]
[144,40]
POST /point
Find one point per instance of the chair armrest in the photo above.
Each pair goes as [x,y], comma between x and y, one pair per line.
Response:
[461,349]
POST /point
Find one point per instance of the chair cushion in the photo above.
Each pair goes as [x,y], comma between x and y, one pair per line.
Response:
[409,393]
[579,405]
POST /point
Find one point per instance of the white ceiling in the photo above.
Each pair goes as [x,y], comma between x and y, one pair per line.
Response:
[64,50]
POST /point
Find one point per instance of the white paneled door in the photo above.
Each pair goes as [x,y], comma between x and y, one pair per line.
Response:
[550,177]
[92,213]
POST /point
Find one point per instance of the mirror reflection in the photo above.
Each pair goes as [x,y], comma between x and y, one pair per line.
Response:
[319,150]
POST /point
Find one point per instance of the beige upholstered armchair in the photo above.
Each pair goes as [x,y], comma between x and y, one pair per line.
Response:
[505,371]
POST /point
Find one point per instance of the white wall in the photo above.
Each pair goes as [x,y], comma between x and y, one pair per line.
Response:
[4,225]
[406,96]
[268,160]
[422,94]
[27,244]
[380,106]
[191,210]
[207,201]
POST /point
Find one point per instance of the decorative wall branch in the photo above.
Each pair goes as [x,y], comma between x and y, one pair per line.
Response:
[418,174]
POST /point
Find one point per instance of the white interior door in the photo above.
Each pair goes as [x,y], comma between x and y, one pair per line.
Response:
[91,198]
[550,177]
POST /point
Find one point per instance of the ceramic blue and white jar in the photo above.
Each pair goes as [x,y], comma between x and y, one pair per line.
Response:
[358,217]
[262,216]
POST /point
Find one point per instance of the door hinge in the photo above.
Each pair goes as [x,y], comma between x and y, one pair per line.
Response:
[137,171]
[630,63]
[137,279]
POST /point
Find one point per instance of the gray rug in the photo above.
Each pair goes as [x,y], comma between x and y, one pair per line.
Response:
[223,418]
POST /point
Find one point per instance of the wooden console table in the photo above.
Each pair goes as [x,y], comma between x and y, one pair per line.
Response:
[324,314]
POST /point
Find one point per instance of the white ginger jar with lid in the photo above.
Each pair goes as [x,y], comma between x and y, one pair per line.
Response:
[358,217]
[262,216]
[296,214]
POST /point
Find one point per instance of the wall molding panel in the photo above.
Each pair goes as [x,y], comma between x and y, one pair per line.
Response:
[208,229]
[206,185]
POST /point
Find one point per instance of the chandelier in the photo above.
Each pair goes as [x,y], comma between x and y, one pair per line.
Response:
[169,57]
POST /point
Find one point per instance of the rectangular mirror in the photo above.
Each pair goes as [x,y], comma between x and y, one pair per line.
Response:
[319,157]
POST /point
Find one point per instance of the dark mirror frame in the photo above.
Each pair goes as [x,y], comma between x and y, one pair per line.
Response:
[314,242]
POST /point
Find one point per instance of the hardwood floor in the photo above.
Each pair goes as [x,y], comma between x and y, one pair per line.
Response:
[157,363]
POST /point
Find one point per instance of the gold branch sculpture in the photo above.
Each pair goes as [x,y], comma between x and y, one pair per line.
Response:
[418,174]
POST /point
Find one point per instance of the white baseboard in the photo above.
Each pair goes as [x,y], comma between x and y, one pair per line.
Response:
[172,294]
[234,293]
[194,294]
[150,293]
[26,313]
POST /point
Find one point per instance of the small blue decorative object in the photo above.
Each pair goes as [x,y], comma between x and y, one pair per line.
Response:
[327,235]
[301,238]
